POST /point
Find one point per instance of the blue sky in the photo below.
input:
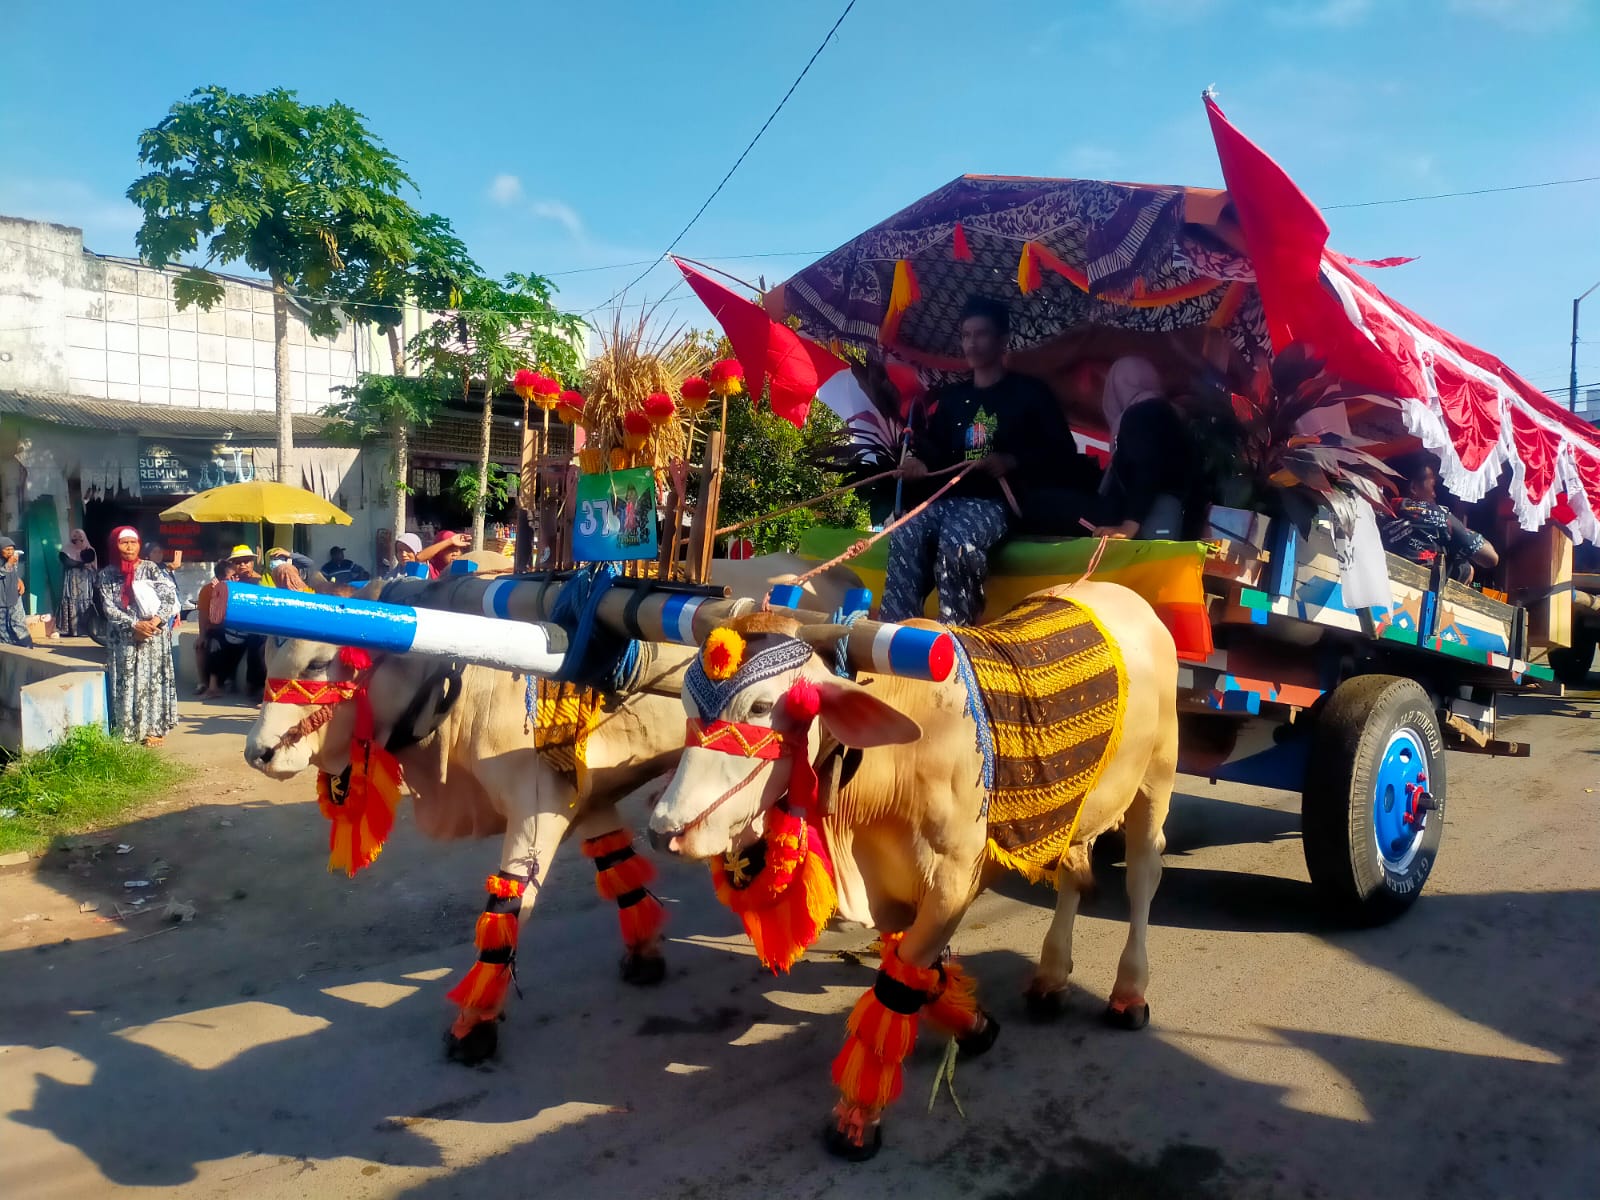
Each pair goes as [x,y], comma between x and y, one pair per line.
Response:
[560,138]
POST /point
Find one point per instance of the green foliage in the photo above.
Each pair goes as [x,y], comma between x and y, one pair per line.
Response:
[501,491]
[372,409]
[302,193]
[498,328]
[87,781]
[433,274]
[768,464]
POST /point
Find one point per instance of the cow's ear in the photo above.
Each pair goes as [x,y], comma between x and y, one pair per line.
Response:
[859,719]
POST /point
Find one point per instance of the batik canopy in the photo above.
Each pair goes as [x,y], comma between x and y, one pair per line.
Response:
[1092,269]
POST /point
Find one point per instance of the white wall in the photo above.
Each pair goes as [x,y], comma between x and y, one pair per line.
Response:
[109,329]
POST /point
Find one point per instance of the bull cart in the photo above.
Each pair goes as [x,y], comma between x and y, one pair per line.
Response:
[1283,682]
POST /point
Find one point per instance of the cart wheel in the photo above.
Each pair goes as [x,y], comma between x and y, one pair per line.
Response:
[1571,664]
[1372,810]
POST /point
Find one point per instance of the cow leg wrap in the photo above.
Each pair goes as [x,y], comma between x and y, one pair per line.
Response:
[953,1008]
[880,1033]
[623,876]
[482,994]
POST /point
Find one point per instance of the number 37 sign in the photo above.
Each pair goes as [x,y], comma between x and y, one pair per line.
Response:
[615,517]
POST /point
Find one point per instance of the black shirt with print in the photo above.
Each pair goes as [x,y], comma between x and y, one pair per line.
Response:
[1017,416]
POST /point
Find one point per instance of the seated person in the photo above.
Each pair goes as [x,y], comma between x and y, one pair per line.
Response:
[340,569]
[1421,529]
[1005,423]
[1150,473]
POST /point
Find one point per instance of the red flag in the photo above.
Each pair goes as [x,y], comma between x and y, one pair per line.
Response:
[792,367]
[1286,237]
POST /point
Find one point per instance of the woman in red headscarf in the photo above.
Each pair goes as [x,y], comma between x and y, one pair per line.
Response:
[139,600]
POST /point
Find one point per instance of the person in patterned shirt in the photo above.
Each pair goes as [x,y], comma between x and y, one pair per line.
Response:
[1421,529]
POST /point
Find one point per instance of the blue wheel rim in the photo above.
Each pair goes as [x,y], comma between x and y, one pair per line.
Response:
[1397,817]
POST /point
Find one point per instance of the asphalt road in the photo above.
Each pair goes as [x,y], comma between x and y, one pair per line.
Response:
[286,1041]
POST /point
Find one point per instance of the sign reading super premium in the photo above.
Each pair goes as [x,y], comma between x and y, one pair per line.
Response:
[184,468]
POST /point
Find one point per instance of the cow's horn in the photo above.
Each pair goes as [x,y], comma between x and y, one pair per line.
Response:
[822,635]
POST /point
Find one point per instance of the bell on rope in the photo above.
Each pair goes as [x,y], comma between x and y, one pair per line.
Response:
[659,408]
[727,378]
[569,407]
[695,392]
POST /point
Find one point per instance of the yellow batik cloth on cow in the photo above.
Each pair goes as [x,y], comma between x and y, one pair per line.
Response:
[1054,690]
[563,716]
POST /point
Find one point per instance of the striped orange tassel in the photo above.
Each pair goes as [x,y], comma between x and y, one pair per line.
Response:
[607,843]
[497,930]
[629,875]
[624,876]
[955,1009]
[482,994]
[641,922]
[484,989]
[886,1033]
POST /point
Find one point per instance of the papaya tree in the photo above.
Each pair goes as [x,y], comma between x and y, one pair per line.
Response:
[500,327]
[304,194]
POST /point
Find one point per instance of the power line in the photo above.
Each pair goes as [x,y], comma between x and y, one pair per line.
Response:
[1516,187]
[673,245]
[640,262]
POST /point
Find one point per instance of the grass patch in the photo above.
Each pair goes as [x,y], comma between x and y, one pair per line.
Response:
[87,781]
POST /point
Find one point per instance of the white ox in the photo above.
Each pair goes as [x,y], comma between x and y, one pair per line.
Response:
[906,835]
[461,739]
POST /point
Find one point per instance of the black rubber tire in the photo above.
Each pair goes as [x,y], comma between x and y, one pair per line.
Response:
[1572,663]
[1348,741]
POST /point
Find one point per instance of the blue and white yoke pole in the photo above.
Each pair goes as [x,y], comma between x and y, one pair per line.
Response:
[504,623]
[535,648]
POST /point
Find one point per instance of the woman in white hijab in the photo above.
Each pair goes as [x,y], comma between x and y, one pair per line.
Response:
[1142,491]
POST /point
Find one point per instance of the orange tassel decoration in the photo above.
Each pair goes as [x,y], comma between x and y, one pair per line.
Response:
[624,877]
[786,903]
[959,248]
[1029,277]
[362,810]
[881,1031]
[903,293]
[482,994]
[954,1008]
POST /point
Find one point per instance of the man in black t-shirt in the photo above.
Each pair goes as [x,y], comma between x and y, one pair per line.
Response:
[1011,427]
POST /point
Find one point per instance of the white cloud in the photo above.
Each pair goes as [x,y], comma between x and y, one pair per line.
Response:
[562,214]
[1523,16]
[506,189]
[1320,14]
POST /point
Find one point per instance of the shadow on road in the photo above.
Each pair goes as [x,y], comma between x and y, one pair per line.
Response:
[715,1085]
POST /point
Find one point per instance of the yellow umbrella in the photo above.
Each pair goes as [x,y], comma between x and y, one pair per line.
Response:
[258,502]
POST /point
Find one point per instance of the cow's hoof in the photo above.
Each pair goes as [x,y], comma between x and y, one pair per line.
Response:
[479,1044]
[643,970]
[978,1043]
[1130,1017]
[840,1145]
[1044,1007]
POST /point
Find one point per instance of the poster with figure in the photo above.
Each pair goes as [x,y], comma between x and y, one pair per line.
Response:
[615,516]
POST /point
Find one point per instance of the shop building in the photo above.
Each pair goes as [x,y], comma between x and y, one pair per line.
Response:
[114,405]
